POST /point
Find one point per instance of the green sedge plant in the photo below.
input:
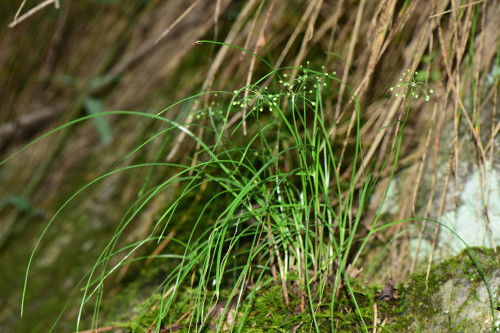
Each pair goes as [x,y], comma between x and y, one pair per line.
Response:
[270,216]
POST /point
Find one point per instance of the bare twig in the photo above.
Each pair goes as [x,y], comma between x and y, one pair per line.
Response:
[452,10]
[180,18]
[19,127]
[37,8]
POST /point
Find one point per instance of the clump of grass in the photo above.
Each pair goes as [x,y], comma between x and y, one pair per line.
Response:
[278,184]
[278,207]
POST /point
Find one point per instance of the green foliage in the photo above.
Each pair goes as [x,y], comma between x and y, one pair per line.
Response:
[272,178]
[94,106]
[22,203]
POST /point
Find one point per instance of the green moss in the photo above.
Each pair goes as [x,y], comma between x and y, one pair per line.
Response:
[418,301]
[131,308]
[144,316]
[270,313]
[421,296]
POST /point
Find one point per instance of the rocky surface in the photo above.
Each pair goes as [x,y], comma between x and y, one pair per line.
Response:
[458,296]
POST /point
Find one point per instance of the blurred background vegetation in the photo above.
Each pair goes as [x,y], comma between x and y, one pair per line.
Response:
[86,57]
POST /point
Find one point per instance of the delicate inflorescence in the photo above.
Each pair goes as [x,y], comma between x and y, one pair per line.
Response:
[254,98]
[409,86]
[306,83]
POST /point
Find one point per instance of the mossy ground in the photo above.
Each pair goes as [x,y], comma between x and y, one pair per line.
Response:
[422,297]
[267,311]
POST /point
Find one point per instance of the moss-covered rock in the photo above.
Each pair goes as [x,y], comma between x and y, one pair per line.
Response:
[454,298]
[459,295]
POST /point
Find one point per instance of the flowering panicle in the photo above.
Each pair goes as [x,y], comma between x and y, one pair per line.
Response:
[409,86]
[306,83]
